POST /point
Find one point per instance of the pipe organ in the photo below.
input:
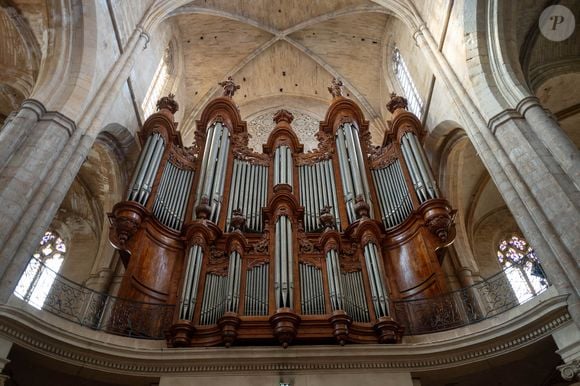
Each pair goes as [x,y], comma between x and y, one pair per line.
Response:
[281,245]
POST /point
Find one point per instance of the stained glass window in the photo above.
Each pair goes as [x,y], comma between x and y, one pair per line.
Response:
[414,100]
[522,268]
[36,281]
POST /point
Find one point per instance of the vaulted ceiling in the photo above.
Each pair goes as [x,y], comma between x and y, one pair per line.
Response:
[283,54]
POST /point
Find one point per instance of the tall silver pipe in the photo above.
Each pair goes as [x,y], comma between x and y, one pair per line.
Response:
[416,152]
[404,188]
[278,265]
[251,212]
[432,181]
[204,163]
[139,173]
[165,195]
[347,183]
[233,192]
[362,170]
[212,159]
[386,192]
[330,171]
[160,197]
[383,199]
[290,168]
[276,167]
[413,170]
[178,194]
[186,290]
[354,167]
[290,263]
[284,259]
[218,188]
[331,283]
[151,171]
[395,197]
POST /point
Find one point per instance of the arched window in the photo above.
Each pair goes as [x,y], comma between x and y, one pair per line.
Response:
[36,281]
[522,268]
[415,102]
[160,78]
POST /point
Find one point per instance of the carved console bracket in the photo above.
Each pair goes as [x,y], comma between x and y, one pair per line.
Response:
[388,330]
[340,323]
[181,333]
[229,324]
[285,324]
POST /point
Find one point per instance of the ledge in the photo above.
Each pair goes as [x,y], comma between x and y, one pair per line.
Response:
[63,340]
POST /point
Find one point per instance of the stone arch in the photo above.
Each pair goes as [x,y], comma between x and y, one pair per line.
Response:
[19,59]
[66,77]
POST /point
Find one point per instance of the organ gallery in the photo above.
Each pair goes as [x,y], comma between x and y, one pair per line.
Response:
[282,246]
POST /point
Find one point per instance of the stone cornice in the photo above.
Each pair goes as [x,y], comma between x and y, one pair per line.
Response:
[74,344]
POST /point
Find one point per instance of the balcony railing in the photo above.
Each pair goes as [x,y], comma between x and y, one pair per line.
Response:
[96,310]
[503,291]
[114,315]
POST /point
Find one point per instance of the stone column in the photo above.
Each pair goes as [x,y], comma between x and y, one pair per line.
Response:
[568,341]
[5,347]
[43,164]
[544,210]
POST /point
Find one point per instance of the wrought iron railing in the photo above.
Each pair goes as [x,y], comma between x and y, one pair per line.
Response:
[499,293]
[96,310]
[99,311]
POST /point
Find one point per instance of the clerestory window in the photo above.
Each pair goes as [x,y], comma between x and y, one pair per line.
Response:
[414,100]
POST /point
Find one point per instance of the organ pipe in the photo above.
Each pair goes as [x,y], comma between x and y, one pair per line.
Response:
[421,174]
[147,168]
[376,278]
[352,168]
[284,282]
[214,167]
[191,282]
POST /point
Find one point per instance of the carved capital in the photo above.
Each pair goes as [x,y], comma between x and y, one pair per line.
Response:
[570,371]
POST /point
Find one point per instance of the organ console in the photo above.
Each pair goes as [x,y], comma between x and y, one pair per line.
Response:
[282,245]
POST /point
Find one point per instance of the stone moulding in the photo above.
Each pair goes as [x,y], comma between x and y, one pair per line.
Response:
[62,340]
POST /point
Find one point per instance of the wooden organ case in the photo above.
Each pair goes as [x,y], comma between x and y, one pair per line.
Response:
[282,245]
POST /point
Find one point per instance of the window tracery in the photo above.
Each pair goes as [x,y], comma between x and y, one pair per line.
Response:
[522,268]
[38,277]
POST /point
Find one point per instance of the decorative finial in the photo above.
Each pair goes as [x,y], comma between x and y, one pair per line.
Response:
[327,218]
[203,210]
[238,219]
[361,208]
[396,102]
[283,116]
[229,87]
[336,88]
[168,103]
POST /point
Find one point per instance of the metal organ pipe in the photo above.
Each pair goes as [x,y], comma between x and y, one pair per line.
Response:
[316,191]
[191,282]
[334,282]
[418,183]
[249,193]
[147,169]
[423,165]
[233,282]
[377,284]
[283,165]
[283,282]
[352,170]
[213,168]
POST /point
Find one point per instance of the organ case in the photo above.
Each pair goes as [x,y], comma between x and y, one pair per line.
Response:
[282,245]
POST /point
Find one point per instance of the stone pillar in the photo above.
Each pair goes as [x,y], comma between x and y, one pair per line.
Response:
[42,164]
[568,341]
[5,347]
[524,174]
